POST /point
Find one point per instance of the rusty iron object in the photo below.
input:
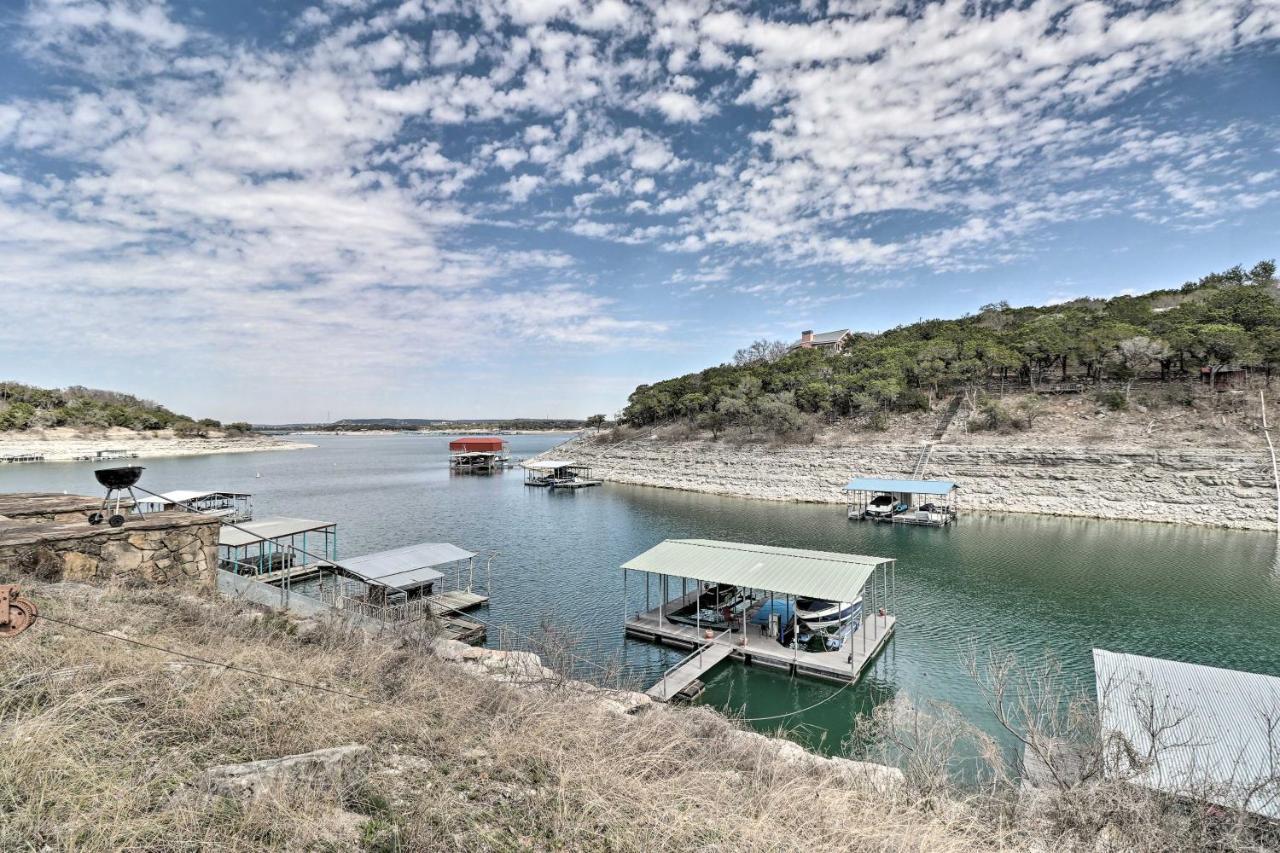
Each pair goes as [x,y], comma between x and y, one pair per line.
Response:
[17,614]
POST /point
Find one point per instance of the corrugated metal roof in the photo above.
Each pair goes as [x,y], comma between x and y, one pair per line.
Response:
[405,568]
[549,464]
[792,571]
[1212,728]
[914,487]
[268,528]
[184,495]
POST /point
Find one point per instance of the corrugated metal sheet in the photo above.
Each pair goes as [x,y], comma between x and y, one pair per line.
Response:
[268,528]
[1211,729]
[548,464]
[914,487]
[184,495]
[791,571]
[405,568]
[477,443]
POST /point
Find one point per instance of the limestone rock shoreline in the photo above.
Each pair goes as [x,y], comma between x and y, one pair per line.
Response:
[1230,488]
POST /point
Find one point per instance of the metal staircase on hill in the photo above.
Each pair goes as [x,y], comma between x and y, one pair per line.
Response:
[923,460]
[939,431]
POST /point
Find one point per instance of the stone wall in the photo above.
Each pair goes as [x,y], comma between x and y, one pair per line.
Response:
[163,549]
[44,506]
[1221,488]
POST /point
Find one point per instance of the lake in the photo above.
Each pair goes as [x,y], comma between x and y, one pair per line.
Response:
[1022,585]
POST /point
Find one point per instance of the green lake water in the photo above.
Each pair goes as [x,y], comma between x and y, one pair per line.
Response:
[1025,585]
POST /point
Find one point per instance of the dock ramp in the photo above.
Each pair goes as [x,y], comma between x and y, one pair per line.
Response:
[688,671]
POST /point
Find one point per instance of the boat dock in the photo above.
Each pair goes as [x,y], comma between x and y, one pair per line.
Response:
[558,474]
[764,576]
[16,458]
[105,456]
[755,649]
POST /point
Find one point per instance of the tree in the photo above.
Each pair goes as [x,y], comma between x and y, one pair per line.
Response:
[595,421]
[1136,354]
[1263,272]
[760,351]
[1030,409]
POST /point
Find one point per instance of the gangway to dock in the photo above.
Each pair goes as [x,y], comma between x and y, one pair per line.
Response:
[678,678]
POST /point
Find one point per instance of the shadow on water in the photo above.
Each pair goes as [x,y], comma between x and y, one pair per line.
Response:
[1022,585]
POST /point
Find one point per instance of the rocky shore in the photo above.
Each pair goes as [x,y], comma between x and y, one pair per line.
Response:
[1228,487]
[65,444]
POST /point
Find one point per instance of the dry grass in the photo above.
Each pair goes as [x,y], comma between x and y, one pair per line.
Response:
[100,739]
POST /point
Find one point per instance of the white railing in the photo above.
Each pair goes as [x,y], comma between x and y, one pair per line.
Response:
[707,643]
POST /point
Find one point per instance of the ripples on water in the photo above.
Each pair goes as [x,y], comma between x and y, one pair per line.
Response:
[1024,585]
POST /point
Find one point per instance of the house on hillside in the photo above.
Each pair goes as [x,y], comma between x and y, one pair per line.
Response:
[829,342]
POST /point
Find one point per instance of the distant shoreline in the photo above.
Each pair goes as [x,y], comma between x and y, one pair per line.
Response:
[433,432]
[64,444]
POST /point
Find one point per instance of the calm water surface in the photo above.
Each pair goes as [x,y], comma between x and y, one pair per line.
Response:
[1004,584]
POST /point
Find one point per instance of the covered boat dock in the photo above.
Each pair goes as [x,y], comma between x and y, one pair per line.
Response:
[406,585]
[275,547]
[558,474]
[234,507]
[760,625]
[478,454]
[933,503]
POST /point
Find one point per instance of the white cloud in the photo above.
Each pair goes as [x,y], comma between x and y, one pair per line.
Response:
[521,187]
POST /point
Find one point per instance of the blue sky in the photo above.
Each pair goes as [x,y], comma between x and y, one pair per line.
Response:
[526,207]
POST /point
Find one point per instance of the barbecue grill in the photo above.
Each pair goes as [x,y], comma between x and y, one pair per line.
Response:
[117,481]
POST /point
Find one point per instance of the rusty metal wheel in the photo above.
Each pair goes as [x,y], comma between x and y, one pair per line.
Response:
[21,614]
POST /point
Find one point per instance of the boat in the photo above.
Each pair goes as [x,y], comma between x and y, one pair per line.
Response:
[820,615]
[717,609]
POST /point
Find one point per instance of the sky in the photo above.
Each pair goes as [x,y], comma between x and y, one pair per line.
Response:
[283,212]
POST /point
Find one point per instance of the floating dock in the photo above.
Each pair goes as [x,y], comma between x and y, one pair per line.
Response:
[762,575]
[456,601]
[17,458]
[758,649]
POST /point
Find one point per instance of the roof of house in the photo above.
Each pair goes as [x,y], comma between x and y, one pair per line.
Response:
[910,487]
[404,568]
[1213,728]
[829,337]
[791,571]
[820,338]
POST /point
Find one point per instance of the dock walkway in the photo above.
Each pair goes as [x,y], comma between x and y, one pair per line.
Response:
[690,670]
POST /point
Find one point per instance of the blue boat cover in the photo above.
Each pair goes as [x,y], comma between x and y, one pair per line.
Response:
[774,605]
[913,487]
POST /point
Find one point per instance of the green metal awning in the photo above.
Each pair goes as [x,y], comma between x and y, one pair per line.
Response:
[791,571]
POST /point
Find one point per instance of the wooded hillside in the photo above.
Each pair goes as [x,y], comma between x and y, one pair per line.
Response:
[25,407]
[1224,320]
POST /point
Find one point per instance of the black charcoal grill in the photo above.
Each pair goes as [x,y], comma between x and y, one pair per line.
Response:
[117,481]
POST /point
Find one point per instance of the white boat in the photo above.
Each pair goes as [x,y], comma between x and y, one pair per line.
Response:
[826,616]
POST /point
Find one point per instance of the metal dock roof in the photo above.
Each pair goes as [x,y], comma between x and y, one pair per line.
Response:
[912,487]
[269,528]
[405,568]
[1213,727]
[792,571]
[184,495]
